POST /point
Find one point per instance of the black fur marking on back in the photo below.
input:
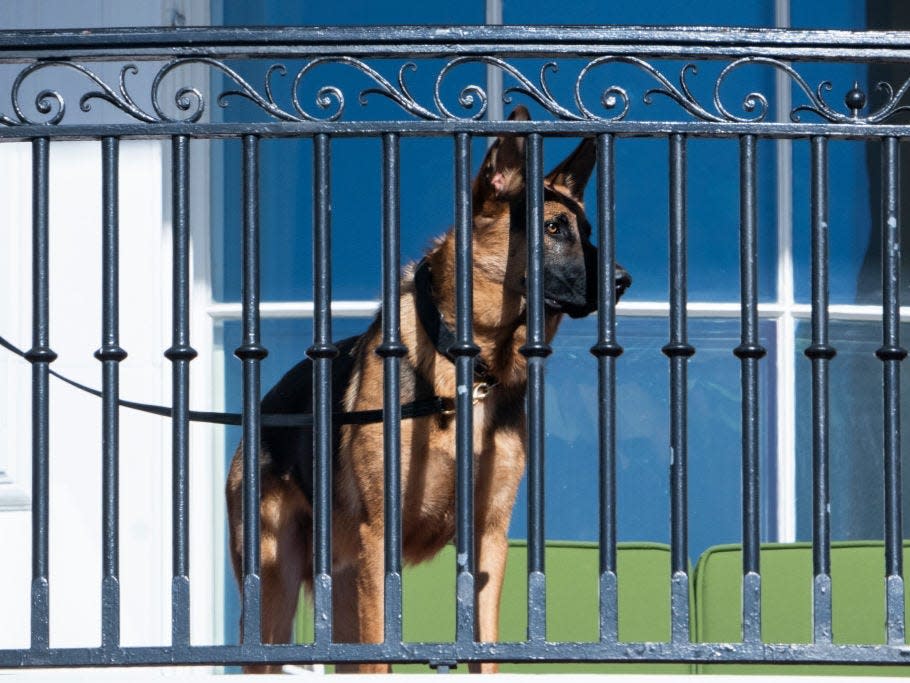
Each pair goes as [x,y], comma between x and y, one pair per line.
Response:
[291,448]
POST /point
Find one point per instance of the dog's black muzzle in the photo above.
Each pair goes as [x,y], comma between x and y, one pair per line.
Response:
[573,289]
[622,282]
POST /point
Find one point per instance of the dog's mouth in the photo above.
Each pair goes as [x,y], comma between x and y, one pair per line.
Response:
[580,309]
[553,304]
[573,310]
[623,282]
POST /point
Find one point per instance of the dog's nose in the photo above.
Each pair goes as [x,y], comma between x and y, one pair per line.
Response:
[623,281]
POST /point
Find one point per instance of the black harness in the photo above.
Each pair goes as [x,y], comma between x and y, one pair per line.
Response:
[433,322]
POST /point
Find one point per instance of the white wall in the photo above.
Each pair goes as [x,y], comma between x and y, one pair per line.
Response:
[75,333]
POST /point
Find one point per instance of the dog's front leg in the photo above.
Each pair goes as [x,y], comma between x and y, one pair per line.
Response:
[499,471]
[358,600]
[492,548]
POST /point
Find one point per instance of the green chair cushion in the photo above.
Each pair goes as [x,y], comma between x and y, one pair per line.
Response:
[643,571]
[857,575]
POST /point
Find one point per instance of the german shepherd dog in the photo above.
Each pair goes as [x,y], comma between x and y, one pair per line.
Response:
[427,443]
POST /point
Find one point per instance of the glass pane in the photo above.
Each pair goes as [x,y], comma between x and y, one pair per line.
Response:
[707,12]
[642,216]
[350,12]
[854,166]
[427,210]
[838,14]
[849,219]
[856,422]
[286,164]
[643,434]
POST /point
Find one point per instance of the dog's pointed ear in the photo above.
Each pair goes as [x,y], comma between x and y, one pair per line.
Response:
[575,170]
[502,173]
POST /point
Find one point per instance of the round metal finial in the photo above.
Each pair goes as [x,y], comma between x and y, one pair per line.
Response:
[855,99]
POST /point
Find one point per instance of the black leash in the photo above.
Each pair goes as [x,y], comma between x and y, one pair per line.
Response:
[432,321]
[421,408]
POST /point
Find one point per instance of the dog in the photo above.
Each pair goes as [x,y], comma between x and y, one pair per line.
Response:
[427,443]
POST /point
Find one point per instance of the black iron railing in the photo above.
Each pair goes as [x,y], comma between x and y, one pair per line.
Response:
[700,112]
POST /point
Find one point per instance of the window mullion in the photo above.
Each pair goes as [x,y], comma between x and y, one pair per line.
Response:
[785,418]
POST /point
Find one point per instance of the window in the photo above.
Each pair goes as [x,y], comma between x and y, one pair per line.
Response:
[642,216]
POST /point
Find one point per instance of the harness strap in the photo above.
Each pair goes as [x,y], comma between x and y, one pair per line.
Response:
[434,324]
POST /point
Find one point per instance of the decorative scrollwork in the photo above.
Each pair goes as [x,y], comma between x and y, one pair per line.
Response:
[401,96]
[608,99]
[543,95]
[326,97]
[891,105]
[854,100]
[51,102]
[615,99]
[754,100]
[189,99]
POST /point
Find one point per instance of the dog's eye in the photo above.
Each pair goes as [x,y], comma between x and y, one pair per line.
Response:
[557,225]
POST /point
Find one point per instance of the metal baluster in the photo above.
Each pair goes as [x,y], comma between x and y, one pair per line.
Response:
[820,352]
[891,354]
[607,350]
[251,352]
[464,351]
[110,354]
[535,350]
[749,352]
[322,352]
[40,356]
[678,350]
[180,354]
[391,351]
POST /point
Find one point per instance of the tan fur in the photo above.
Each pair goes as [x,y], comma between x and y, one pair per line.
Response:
[427,444]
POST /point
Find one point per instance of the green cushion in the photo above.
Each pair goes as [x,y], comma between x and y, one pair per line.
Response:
[643,573]
[572,602]
[857,575]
